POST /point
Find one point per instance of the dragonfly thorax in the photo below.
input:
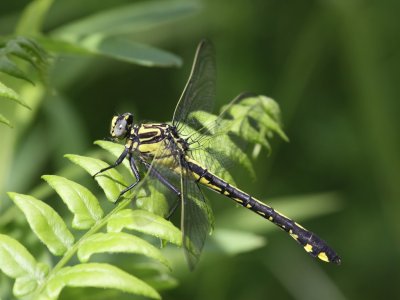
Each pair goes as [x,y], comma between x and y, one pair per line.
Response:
[152,138]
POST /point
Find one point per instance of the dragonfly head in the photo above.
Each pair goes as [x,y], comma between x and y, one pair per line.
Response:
[121,125]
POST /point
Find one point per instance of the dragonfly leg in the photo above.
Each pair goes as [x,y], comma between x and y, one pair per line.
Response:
[115,164]
[169,185]
[135,173]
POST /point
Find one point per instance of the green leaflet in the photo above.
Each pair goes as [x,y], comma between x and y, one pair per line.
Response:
[9,67]
[146,222]
[216,148]
[114,242]
[102,32]
[79,200]
[45,222]
[25,49]
[8,93]
[255,119]
[53,232]
[247,119]
[152,199]
[18,263]
[28,51]
[97,275]
[129,51]
[111,181]
[126,19]
[114,47]
[48,226]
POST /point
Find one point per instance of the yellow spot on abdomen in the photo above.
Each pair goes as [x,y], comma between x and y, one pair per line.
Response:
[308,248]
[295,236]
[322,256]
[248,206]
[238,200]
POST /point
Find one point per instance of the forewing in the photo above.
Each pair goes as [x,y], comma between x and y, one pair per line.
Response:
[212,146]
[199,92]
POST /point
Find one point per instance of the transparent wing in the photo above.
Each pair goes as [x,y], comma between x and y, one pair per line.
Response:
[199,92]
[155,196]
[196,217]
[160,183]
[209,126]
[212,146]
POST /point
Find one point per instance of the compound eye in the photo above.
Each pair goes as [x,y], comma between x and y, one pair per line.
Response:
[119,128]
[121,125]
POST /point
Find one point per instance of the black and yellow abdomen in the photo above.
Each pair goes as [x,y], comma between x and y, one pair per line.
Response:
[153,140]
[310,242]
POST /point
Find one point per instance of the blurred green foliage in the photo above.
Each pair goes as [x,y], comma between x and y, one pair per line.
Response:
[331,65]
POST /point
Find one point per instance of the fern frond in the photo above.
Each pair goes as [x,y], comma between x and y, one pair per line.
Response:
[40,281]
[255,118]
[26,50]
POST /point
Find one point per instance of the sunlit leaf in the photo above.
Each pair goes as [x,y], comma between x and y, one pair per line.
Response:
[45,222]
[100,276]
[79,200]
[152,199]
[146,222]
[24,286]
[18,263]
[113,242]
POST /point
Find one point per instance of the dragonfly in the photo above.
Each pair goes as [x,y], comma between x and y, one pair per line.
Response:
[167,152]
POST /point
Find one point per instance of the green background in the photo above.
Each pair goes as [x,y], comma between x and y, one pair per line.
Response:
[333,66]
